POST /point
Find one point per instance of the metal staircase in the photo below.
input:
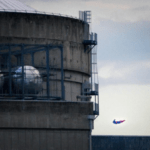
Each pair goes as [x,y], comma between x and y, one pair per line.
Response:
[94,80]
[90,88]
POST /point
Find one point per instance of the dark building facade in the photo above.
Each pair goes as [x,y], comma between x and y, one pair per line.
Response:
[120,143]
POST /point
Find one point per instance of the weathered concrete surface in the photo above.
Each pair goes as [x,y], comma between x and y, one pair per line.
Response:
[16,28]
[44,125]
[53,115]
[46,29]
[43,139]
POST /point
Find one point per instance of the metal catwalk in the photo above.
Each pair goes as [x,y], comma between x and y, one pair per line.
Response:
[23,75]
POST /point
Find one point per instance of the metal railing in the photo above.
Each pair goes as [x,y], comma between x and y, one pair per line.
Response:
[38,12]
[37,78]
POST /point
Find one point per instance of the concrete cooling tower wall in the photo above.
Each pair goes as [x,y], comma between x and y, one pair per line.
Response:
[56,30]
[47,107]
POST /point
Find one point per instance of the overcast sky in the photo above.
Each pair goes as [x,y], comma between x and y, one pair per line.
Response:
[123,28]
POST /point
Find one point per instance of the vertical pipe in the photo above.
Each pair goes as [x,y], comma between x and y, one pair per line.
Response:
[6,61]
[98,99]
[92,36]
[62,75]
[90,141]
[18,60]
[91,68]
[32,58]
[85,16]
[95,104]
[22,64]
[48,71]
[90,132]
[96,38]
[9,67]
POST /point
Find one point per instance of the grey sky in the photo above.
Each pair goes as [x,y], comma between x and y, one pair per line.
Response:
[123,28]
[132,40]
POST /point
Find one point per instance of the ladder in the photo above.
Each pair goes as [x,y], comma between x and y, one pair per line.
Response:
[94,80]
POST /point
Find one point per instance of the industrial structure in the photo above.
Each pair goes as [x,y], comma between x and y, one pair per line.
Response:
[120,142]
[48,79]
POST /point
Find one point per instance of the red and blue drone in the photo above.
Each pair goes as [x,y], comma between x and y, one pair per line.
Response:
[118,122]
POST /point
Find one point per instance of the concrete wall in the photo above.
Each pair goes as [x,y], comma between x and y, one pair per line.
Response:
[45,29]
[41,125]
[48,125]
[43,139]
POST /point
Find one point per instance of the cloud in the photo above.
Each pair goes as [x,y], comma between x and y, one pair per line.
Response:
[121,12]
[116,10]
[143,8]
[123,41]
[111,73]
[129,102]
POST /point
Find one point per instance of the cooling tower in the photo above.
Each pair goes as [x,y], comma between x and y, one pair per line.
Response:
[46,66]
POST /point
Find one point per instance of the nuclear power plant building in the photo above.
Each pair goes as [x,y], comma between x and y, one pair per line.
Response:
[48,79]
